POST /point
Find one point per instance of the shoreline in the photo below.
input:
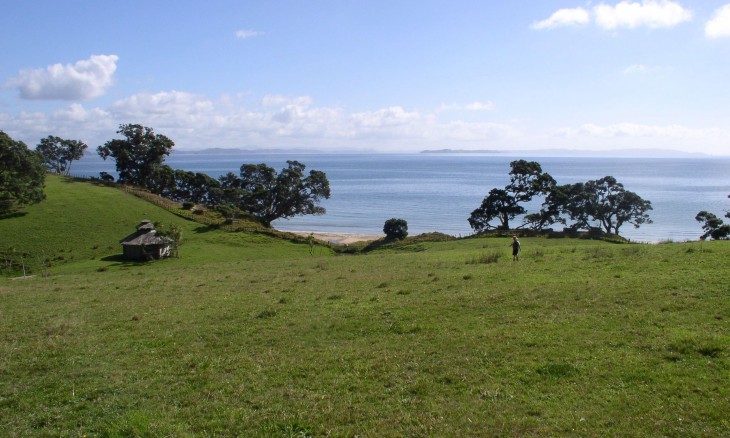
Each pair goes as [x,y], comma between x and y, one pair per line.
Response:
[339,238]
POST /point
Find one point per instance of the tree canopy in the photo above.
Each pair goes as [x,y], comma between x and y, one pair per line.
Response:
[612,205]
[139,155]
[59,153]
[498,204]
[603,202]
[713,226]
[260,191]
[22,175]
[395,229]
[527,180]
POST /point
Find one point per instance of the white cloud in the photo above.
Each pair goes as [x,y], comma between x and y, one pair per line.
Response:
[628,135]
[639,69]
[195,121]
[83,80]
[480,106]
[649,13]
[77,113]
[634,130]
[393,116]
[719,25]
[474,106]
[564,17]
[173,108]
[246,33]
[277,100]
[628,14]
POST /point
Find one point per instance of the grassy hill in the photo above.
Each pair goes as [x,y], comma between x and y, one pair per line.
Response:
[248,335]
[83,222]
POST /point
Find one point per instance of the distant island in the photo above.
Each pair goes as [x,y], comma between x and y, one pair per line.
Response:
[463,151]
[614,153]
[554,152]
[224,151]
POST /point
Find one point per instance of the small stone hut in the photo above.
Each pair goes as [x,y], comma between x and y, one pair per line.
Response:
[145,244]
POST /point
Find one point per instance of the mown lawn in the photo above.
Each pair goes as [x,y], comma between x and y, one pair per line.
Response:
[437,339]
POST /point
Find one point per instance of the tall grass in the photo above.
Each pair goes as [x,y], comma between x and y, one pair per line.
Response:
[485,258]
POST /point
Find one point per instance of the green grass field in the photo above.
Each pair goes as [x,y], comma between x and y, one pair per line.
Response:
[249,335]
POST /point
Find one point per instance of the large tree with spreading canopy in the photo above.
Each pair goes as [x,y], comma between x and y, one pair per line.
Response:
[527,180]
[260,191]
[59,153]
[22,175]
[139,155]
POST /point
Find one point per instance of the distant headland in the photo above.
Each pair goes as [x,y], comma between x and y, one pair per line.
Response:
[463,151]
[615,153]
[554,152]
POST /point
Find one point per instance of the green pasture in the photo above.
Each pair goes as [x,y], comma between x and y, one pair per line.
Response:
[249,335]
[79,226]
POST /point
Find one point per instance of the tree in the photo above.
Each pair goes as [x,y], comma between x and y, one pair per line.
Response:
[59,153]
[395,229]
[137,156]
[498,204]
[713,226]
[612,205]
[196,187]
[106,177]
[268,196]
[571,199]
[22,175]
[560,199]
[174,232]
[527,180]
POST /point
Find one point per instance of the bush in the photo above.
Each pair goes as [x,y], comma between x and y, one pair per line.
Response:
[395,229]
[106,177]
[187,205]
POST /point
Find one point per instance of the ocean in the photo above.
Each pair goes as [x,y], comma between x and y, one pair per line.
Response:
[438,192]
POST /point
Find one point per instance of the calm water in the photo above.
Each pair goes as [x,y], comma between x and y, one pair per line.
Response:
[439,192]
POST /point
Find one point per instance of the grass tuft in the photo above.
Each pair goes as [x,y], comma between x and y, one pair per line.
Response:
[557,370]
[485,258]
[265,314]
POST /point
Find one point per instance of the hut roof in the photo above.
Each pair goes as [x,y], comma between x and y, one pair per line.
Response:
[145,235]
[146,225]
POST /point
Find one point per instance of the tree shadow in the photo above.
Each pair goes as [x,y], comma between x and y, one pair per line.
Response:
[71,179]
[205,229]
[12,214]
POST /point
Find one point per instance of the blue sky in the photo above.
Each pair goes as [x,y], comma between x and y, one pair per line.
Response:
[376,75]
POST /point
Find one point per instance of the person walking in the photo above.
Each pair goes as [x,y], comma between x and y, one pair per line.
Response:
[516,248]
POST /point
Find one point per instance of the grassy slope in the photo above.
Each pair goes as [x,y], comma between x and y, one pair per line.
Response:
[83,222]
[250,336]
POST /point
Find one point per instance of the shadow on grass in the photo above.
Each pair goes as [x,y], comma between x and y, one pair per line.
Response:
[206,229]
[118,260]
[72,179]
[12,214]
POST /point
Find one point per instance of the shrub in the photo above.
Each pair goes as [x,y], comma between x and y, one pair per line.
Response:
[187,205]
[395,229]
[106,177]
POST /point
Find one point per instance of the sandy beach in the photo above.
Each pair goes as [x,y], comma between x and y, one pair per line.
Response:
[340,238]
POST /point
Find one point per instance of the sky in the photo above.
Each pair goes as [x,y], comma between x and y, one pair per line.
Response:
[388,76]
